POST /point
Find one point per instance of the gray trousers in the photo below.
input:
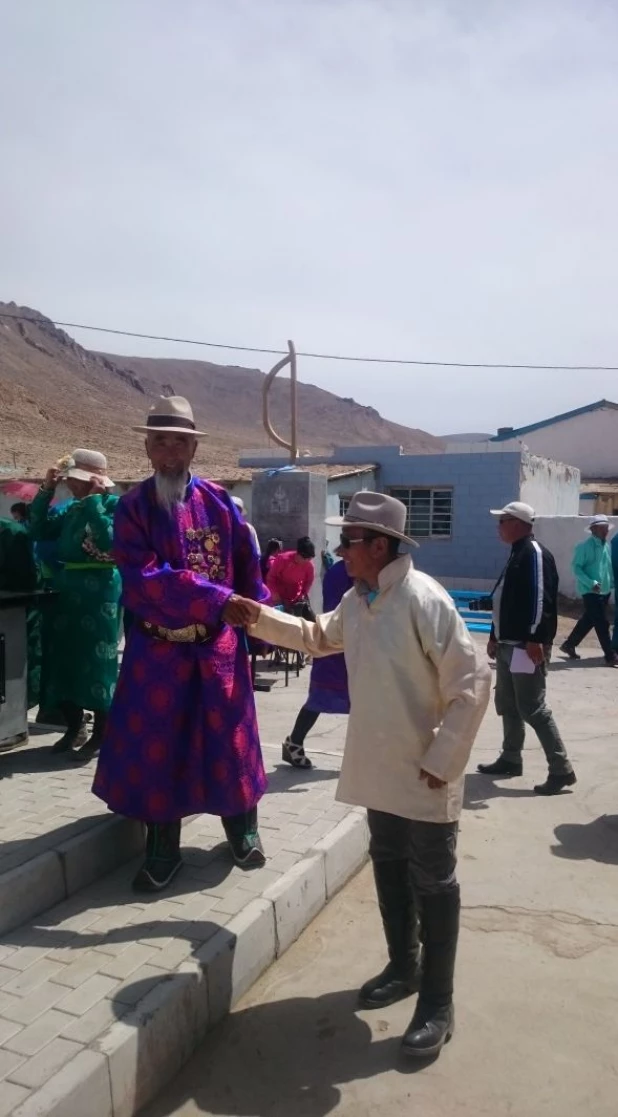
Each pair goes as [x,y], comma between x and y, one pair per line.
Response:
[521,701]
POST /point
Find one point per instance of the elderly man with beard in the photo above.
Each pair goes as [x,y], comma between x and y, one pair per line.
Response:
[182,735]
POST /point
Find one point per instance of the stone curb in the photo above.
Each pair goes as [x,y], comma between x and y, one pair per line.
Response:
[46,880]
[133,1061]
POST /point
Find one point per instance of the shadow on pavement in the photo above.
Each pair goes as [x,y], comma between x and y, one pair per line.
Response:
[479,789]
[589,841]
[286,778]
[281,1059]
[577,664]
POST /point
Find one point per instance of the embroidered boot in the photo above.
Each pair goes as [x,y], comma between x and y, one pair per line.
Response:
[163,858]
[241,831]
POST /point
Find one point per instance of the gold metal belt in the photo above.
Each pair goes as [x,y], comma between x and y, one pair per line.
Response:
[192,634]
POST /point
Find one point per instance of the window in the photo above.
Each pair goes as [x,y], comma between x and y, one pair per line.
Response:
[344,504]
[430,512]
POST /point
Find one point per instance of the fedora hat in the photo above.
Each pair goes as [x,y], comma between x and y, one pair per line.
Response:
[375,512]
[83,465]
[171,415]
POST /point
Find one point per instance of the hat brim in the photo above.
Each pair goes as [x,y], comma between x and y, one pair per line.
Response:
[340,521]
[83,475]
[169,430]
[509,512]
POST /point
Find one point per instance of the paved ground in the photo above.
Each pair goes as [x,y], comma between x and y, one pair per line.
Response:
[537,977]
[540,930]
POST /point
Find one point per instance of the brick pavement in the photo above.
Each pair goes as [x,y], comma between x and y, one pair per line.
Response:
[69,974]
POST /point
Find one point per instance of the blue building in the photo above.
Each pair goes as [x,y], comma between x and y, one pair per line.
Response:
[448,497]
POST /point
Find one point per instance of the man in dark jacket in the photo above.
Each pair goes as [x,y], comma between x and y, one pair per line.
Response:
[525,619]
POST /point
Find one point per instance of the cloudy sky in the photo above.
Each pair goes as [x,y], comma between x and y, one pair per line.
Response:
[433,180]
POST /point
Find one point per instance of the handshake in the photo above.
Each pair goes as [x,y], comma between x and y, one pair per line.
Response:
[240,612]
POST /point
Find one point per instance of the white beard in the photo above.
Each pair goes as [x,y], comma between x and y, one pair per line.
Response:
[170,489]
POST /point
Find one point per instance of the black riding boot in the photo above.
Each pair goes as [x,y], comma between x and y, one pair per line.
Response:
[77,733]
[399,914]
[241,831]
[433,1022]
[163,858]
[91,748]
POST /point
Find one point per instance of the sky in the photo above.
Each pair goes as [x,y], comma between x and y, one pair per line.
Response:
[398,178]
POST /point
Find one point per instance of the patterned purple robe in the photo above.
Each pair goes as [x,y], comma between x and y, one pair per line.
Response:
[328,686]
[182,734]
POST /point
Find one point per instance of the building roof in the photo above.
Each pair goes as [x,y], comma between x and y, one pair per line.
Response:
[515,432]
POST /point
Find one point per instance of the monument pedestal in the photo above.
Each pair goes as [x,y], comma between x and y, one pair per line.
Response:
[287,506]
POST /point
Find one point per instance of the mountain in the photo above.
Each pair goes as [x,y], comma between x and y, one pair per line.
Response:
[56,395]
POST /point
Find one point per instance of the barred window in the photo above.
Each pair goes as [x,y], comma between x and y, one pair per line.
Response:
[344,504]
[430,512]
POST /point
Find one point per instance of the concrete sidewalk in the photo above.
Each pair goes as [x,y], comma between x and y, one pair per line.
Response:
[103,999]
[537,979]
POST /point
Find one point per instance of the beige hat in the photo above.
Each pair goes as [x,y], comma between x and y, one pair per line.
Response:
[517,510]
[171,415]
[83,465]
[375,512]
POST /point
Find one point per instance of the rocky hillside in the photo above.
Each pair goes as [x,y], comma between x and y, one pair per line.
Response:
[55,395]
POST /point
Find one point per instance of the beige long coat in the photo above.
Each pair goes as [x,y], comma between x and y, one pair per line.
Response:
[418,691]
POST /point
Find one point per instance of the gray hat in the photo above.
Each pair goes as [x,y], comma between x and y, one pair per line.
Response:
[375,512]
[171,415]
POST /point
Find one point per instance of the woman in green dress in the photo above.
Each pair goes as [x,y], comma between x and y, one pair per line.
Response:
[83,667]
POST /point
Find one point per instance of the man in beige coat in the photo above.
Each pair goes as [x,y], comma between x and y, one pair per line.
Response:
[418,694]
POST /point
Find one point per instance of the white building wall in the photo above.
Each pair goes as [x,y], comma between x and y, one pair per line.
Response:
[589,442]
[552,488]
[560,534]
[344,486]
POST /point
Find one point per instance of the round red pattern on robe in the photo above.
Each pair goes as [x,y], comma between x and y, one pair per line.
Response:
[154,587]
[215,719]
[219,771]
[139,671]
[134,775]
[160,698]
[156,751]
[183,670]
[135,722]
[158,803]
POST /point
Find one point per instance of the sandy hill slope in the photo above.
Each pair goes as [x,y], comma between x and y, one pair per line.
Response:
[55,395]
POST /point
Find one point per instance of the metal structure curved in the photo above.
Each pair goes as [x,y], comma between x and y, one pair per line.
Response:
[292,445]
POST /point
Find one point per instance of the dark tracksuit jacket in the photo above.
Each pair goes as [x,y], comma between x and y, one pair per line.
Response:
[525,600]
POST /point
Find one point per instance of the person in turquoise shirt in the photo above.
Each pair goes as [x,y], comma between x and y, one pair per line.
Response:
[592,566]
[615,567]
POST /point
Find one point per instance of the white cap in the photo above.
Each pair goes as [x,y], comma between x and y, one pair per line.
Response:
[600,521]
[517,510]
[240,504]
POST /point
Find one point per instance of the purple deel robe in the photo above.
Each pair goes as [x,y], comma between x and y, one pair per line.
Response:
[182,734]
[328,686]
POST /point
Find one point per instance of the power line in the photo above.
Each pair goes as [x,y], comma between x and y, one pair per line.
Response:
[317,356]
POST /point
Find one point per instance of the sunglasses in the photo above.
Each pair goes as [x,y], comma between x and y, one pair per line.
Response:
[345,542]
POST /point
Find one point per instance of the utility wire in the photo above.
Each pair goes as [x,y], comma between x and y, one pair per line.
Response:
[317,356]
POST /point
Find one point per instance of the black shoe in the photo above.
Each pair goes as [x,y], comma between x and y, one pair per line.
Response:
[430,1028]
[612,660]
[554,784]
[500,767]
[569,651]
[91,748]
[388,988]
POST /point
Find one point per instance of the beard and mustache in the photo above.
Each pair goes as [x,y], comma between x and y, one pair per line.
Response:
[170,489]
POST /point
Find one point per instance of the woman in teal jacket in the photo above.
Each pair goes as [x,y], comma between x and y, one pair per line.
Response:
[592,566]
